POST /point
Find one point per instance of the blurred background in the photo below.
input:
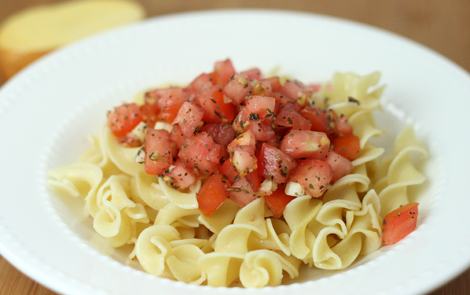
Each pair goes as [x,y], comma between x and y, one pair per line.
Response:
[441,25]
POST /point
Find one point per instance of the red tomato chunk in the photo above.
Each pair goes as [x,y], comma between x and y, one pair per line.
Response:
[201,153]
[399,223]
[212,194]
[306,144]
[159,151]
[277,201]
[314,176]
[122,119]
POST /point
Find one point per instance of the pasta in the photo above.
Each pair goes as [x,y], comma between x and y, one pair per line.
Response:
[253,244]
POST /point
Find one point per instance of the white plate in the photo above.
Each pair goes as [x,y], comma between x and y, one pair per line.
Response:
[47,111]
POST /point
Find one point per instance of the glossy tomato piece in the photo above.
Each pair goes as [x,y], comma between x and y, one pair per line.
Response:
[399,223]
[277,201]
[223,72]
[177,135]
[340,166]
[290,117]
[201,153]
[215,109]
[254,179]
[306,144]
[168,100]
[259,107]
[313,175]
[227,170]
[262,131]
[159,151]
[189,118]
[317,117]
[342,127]
[124,118]
[237,89]
[149,114]
[222,133]
[252,74]
[241,192]
[347,146]
[273,82]
[293,89]
[212,194]
[202,84]
[275,163]
[180,176]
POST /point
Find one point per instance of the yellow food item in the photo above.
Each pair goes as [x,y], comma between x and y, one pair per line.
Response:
[28,35]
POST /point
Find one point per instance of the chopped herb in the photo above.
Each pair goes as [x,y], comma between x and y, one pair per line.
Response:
[254,117]
[353,100]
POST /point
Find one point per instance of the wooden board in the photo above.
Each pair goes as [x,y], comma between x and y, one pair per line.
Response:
[441,25]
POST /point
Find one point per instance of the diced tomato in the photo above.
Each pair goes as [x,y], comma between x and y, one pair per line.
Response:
[399,223]
[313,175]
[180,176]
[189,118]
[228,171]
[202,84]
[254,179]
[237,89]
[306,144]
[222,133]
[201,153]
[277,201]
[223,72]
[177,135]
[275,163]
[149,114]
[212,194]
[168,100]
[241,192]
[124,118]
[293,89]
[314,87]
[318,118]
[274,83]
[340,166]
[261,131]
[159,151]
[289,117]
[242,153]
[262,87]
[342,126]
[215,109]
[252,74]
[347,146]
[261,107]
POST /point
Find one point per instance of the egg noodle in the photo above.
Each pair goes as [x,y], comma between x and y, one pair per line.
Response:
[248,246]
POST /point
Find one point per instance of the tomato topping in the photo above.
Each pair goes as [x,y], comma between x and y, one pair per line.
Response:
[180,176]
[228,171]
[342,126]
[202,84]
[177,135]
[306,144]
[273,83]
[277,201]
[293,89]
[347,146]
[212,194]
[168,100]
[399,223]
[317,117]
[201,153]
[262,131]
[254,179]
[252,74]
[313,175]
[124,118]
[215,109]
[259,108]
[223,72]
[159,151]
[222,134]
[275,163]
[149,114]
[189,118]
[237,89]
[241,192]
[130,141]
[289,117]
[340,166]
